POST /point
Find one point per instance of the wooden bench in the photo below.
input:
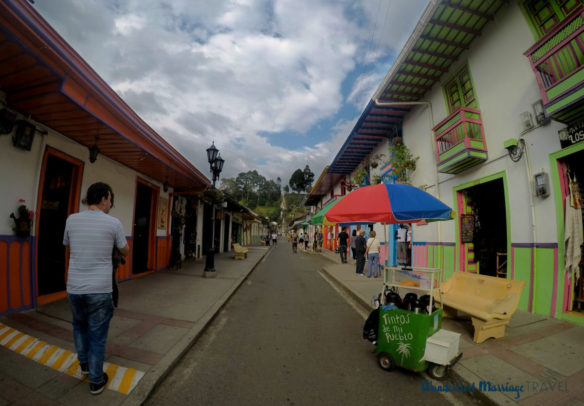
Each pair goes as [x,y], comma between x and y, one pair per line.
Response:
[490,301]
[240,251]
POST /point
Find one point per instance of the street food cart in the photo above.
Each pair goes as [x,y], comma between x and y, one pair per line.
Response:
[410,333]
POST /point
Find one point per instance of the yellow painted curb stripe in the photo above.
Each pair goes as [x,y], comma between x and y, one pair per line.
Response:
[121,379]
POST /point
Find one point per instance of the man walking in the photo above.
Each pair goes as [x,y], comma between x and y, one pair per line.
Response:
[91,236]
[360,247]
[343,237]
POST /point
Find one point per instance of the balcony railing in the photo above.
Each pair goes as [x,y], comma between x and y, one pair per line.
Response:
[460,141]
[557,61]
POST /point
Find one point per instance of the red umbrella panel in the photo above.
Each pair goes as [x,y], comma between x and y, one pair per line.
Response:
[388,204]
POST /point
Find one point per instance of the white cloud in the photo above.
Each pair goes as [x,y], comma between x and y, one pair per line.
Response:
[229,70]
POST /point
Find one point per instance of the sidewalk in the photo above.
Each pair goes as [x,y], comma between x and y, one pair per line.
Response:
[540,357]
[162,314]
[159,317]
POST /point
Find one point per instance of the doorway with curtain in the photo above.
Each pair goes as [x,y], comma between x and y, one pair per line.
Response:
[572,179]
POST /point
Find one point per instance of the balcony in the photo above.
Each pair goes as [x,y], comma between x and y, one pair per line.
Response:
[460,141]
[557,61]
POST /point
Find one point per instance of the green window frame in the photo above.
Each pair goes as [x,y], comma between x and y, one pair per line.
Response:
[545,15]
[459,91]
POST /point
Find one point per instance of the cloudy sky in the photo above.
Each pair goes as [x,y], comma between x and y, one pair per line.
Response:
[276,84]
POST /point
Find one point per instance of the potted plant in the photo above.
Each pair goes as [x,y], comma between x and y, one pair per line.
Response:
[22,221]
[360,175]
[402,160]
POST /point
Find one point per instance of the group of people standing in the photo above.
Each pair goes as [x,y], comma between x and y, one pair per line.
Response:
[305,241]
[362,249]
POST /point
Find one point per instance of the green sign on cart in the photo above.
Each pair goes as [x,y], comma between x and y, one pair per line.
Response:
[403,334]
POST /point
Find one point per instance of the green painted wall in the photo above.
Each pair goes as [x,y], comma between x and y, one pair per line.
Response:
[544,280]
[448,261]
[522,272]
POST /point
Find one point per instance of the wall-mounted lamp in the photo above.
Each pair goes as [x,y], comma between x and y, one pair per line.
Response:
[539,112]
[515,148]
[7,121]
[93,153]
[24,135]
[541,185]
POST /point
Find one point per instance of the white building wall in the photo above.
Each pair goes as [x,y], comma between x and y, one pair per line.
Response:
[505,86]
[21,176]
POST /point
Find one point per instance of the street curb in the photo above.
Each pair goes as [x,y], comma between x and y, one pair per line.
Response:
[158,372]
[365,306]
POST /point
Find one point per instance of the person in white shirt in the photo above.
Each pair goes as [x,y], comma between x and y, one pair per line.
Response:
[402,245]
[372,253]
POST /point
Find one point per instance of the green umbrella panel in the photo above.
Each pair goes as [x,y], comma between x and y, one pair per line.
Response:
[319,218]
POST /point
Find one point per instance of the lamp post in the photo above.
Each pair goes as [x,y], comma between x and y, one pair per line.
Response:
[216,166]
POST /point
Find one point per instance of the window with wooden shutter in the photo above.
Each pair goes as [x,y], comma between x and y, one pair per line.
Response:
[459,91]
[545,15]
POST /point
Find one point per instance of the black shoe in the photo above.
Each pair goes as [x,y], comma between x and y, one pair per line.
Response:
[84,368]
[97,388]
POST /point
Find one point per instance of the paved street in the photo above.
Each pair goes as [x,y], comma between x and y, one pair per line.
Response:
[287,337]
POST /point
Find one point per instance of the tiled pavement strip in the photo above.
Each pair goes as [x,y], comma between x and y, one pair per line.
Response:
[122,379]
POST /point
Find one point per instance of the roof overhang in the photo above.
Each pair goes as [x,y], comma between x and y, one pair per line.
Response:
[45,79]
[445,30]
[324,184]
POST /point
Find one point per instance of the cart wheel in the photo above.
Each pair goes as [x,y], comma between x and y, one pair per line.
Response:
[386,361]
[438,372]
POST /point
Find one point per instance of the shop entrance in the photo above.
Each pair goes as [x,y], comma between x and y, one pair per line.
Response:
[483,229]
[143,247]
[59,197]
[572,172]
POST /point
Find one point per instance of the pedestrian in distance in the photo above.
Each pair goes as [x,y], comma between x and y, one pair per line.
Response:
[360,247]
[306,242]
[91,235]
[320,237]
[274,238]
[343,237]
[372,253]
[294,242]
[402,245]
[353,238]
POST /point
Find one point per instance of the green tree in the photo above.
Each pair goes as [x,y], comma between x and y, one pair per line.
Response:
[297,181]
[308,178]
[230,186]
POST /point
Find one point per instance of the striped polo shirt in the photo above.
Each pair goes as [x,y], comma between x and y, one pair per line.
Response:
[91,236]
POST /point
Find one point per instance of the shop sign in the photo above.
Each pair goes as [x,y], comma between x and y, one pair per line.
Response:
[573,134]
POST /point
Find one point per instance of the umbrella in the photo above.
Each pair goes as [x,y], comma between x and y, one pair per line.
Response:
[388,204]
[319,217]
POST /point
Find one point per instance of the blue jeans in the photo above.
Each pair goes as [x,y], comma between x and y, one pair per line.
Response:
[372,262]
[91,318]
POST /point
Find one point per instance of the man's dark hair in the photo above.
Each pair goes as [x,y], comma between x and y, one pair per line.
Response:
[97,191]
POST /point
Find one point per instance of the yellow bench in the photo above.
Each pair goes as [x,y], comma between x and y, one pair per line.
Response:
[488,300]
[240,251]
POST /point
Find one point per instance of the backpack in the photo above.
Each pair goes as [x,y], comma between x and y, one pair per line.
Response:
[371,326]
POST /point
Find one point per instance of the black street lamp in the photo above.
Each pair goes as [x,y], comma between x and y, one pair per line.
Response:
[216,166]
[215,162]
